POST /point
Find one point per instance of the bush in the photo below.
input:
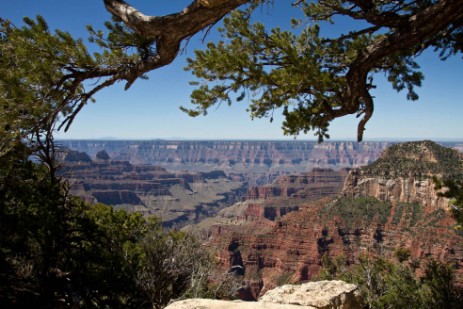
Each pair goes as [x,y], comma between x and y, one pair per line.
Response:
[57,251]
[384,284]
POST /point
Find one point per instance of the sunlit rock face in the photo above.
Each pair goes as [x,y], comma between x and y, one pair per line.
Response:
[236,155]
[404,173]
[312,295]
[281,236]
[178,198]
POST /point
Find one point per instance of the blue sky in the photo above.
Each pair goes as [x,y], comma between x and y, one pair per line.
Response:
[150,109]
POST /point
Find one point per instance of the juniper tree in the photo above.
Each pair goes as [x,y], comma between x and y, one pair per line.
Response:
[55,250]
[312,78]
[315,79]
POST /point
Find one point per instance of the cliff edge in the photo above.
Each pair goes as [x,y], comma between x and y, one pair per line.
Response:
[404,174]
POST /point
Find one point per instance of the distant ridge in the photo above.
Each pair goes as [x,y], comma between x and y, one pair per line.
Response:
[236,155]
[420,158]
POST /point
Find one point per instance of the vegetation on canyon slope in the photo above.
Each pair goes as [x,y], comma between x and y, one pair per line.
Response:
[395,284]
[453,189]
[423,159]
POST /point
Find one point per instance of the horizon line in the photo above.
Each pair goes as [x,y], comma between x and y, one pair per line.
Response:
[261,139]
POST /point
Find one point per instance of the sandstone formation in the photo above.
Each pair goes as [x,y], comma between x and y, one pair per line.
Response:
[374,215]
[236,156]
[176,197]
[395,190]
[309,186]
[404,174]
[312,295]
[320,294]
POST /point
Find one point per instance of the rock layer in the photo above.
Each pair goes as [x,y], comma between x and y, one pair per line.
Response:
[395,190]
[236,156]
[176,197]
[374,215]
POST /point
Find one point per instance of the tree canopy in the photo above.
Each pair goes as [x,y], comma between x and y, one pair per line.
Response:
[316,79]
[312,78]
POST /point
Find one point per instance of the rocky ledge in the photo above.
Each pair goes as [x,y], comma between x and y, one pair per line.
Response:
[312,295]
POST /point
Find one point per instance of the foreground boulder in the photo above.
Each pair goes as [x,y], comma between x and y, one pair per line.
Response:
[320,294]
[312,295]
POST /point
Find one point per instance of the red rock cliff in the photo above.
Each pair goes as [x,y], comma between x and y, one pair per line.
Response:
[373,215]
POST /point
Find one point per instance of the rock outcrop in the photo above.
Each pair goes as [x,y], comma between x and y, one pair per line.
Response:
[395,190]
[374,215]
[403,174]
[312,295]
[224,304]
[310,185]
[319,294]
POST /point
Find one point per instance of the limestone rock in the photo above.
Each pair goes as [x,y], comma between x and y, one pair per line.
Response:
[222,304]
[397,189]
[320,294]
[236,156]
[312,295]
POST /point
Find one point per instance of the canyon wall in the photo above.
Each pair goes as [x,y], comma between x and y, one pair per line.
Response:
[236,156]
[276,236]
[395,190]
[177,198]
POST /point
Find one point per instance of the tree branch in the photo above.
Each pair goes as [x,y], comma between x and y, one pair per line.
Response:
[169,30]
[416,29]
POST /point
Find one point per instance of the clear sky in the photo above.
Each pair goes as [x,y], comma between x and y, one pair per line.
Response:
[150,109]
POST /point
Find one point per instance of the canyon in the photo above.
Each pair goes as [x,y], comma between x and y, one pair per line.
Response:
[270,211]
[248,157]
[275,237]
[175,197]
[183,182]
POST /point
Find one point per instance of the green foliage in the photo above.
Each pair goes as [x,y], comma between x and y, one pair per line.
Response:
[402,254]
[436,216]
[332,268]
[438,285]
[313,78]
[384,284]
[356,212]
[121,46]
[413,213]
[277,68]
[56,250]
[41,91]
[29,95]
[416,211]
[453,189]
[398,213]
[420,159]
